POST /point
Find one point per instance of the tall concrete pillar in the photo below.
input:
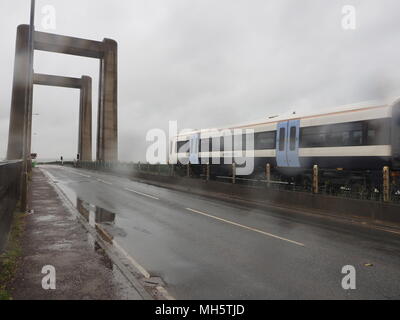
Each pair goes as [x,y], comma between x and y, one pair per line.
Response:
[107,135]
[85,120]
[21,93]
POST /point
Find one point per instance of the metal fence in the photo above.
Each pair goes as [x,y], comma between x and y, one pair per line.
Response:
[10,187]
[364,185]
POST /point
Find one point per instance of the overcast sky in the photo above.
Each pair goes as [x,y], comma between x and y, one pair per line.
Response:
[206,63]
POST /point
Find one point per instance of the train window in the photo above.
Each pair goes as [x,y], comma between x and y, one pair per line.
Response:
[182,146]
[345,137]
[216,144]
[378,132]
[249,142]
[293,134]
[265,140]
[352,133]
[226,143]
[314,137]
[371,135]
[239,142]
[282,139]
[356,138]
[337,138]
[205,145]
[336,135]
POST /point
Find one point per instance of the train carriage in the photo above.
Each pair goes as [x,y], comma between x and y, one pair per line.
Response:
[351,138]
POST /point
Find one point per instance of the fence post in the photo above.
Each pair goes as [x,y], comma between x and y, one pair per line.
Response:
[159,169]
[386,184]
[208,171]
[233,173]
[188,170]
[315,179]
[268,174]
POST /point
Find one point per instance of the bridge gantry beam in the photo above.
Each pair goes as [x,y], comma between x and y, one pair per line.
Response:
[85,107]
[21,107]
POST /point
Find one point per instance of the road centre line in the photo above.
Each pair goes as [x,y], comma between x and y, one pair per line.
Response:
[246,227]
[105,182]
[142,194]
[213,217]
[82,175]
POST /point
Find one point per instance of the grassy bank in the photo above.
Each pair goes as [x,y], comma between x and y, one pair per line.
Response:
[9,259]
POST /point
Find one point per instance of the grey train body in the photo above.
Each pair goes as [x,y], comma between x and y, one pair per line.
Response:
[352,138]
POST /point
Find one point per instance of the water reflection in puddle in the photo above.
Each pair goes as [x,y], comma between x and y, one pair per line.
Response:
[101,220]
[104,221]
[94,214]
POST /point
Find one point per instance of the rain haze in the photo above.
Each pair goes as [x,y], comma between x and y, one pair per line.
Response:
[206,63]
[297,199]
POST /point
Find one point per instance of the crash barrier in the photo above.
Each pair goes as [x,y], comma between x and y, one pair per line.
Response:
[379,186]
[383,207]
[10,191]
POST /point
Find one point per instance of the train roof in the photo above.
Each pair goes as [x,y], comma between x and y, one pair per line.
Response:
[362,106]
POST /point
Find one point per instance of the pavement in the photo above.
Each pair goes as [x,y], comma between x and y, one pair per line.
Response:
[205,248]
[54,237]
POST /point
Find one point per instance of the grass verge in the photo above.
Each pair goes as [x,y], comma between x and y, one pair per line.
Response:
[12,253]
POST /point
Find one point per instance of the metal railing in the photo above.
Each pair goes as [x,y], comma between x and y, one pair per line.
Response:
[340,183]
[10,191]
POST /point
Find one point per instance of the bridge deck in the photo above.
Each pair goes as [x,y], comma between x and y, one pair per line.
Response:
[205,248]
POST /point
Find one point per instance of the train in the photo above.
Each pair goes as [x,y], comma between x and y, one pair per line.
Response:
[357,137]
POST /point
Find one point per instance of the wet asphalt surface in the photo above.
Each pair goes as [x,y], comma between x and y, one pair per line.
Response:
[52,237]
[212,249]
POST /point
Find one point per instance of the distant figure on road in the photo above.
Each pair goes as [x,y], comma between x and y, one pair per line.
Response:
[62,160]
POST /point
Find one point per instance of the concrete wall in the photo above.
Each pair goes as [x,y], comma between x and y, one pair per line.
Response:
[10,174]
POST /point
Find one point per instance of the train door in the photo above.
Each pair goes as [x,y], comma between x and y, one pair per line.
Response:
[288,142]
[396,136]
[281,136]
[194,149]
[293,143]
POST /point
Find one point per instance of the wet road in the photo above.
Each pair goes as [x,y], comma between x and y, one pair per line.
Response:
[209,249]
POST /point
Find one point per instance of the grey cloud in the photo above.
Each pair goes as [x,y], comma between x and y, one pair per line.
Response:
[210,63]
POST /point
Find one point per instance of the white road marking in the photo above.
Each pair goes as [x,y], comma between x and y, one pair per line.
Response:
[246,227]
[84,175]
[105,182]
[142,194]
[142,270]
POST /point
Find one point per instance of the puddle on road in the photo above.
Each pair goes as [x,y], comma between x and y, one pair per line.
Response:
[100,218]
[103,221]
[94,215]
